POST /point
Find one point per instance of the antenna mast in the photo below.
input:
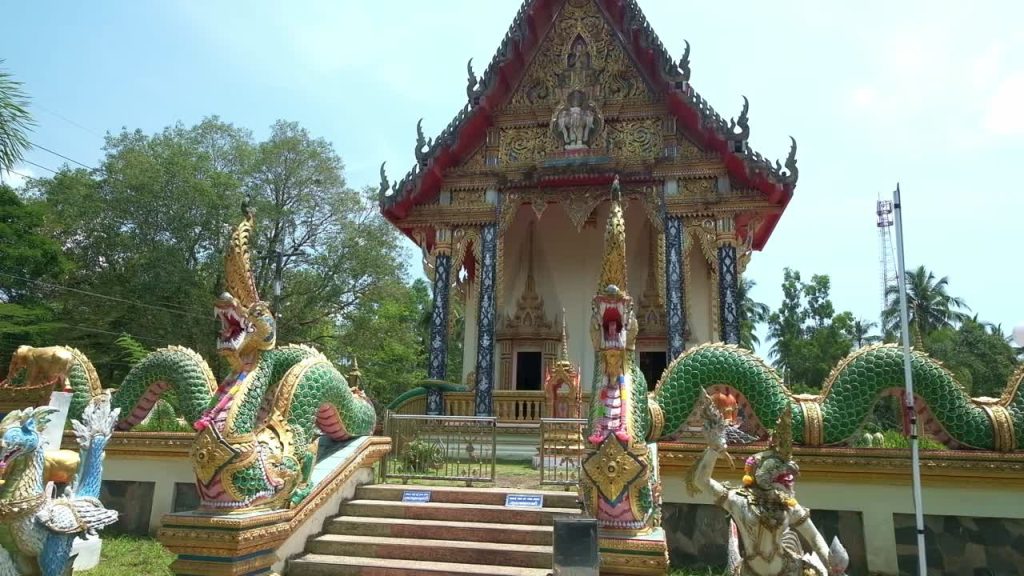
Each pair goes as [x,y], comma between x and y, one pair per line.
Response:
[886,261]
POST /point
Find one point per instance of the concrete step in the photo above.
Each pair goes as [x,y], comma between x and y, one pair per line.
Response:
[321,565]
[454,512]
[519,555]
[491,496]
[465,531]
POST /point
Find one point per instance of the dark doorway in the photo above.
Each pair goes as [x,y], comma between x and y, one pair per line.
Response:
[528,376]
[652,364]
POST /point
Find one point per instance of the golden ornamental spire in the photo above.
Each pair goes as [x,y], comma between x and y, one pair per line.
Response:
[782,436]
[563,353]
[238,273]
[613,272]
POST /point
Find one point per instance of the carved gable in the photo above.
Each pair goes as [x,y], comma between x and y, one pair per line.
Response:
[580,52]
[579,98]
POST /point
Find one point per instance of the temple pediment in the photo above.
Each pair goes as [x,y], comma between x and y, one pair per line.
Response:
[578,91]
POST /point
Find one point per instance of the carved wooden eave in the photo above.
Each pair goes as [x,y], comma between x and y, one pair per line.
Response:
[697,141]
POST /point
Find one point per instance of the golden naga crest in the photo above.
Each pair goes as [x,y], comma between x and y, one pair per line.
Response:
[247,323]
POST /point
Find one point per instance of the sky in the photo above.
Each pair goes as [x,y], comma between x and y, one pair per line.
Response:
[927,94]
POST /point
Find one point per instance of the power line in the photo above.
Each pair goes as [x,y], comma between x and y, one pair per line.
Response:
[66,119]
[51,170]
[45,149]
[104,296]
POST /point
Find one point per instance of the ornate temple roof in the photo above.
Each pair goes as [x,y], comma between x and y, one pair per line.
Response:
[485,96]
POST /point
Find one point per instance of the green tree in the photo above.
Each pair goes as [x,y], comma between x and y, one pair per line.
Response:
[147,230]
[752,314]
[384,333]
[860,333]
[809,338]
[980,358]
[929,305]
[29,262]
[15,121]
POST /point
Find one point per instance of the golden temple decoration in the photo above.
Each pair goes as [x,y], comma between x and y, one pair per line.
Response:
[613,269]
[814,424]
[238,276]
[700,188]
[580,48]
[529,318]
[525,145]
[651,315]
[613,468]
[633,139]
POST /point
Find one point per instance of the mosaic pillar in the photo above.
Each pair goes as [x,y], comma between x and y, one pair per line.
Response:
[438,369]
[728,282]
[674,310]
[486,320]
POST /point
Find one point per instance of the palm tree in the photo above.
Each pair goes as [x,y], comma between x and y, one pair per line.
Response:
[752,313]
[929,305]
[14,121]
[860,333]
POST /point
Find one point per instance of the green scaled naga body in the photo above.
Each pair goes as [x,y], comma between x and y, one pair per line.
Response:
[847,397]
[257,430]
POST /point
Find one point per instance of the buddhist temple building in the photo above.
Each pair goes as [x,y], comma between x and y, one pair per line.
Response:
[509,202]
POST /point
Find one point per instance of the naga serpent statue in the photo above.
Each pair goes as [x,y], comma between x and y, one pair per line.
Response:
[837,414]
[258,429]
[619,483]
[767,521]
[40,531]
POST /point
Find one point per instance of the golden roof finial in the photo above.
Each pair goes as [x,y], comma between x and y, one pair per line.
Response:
[782,436]
[613,272]
[563,355]
[238,272]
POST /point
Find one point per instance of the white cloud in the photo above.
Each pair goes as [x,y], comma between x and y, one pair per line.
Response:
[864,97]
[1004,115]
[17,177]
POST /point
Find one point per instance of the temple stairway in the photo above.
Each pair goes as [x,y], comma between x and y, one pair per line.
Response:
[460,531]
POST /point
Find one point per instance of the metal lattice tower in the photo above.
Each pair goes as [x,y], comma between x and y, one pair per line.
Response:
[886,260]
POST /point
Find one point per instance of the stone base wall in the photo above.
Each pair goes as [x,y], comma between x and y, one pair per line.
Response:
[962,546]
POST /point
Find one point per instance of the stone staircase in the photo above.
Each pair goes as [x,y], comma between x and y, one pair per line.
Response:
[460,531]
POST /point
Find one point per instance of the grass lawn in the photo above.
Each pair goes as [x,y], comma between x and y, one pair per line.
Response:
[132,556]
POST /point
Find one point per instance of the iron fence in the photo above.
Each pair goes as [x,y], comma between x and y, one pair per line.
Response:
[561,450]
[454,448]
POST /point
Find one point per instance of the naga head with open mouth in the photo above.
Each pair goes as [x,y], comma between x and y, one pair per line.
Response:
[20,435]
[244,330]
[247,325]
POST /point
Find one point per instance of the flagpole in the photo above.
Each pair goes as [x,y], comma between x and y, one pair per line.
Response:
[911,413]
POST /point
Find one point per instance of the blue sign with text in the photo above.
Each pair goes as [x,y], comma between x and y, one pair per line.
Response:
[524,500]
[417,496]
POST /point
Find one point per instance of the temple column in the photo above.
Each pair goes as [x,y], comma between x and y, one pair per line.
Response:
[728,281]
[438,369]
[675,311]
[486,311]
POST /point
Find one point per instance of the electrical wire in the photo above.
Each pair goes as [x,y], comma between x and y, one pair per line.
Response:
[45,149]
[51,170]
[104,296]
[66,119]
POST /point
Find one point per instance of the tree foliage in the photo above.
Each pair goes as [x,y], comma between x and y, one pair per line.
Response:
[15,121]
[752,314]
[977,354]
[929,305]
[146,231]
[809,338]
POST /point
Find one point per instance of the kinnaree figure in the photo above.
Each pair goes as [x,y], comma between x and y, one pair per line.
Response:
[770,532]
